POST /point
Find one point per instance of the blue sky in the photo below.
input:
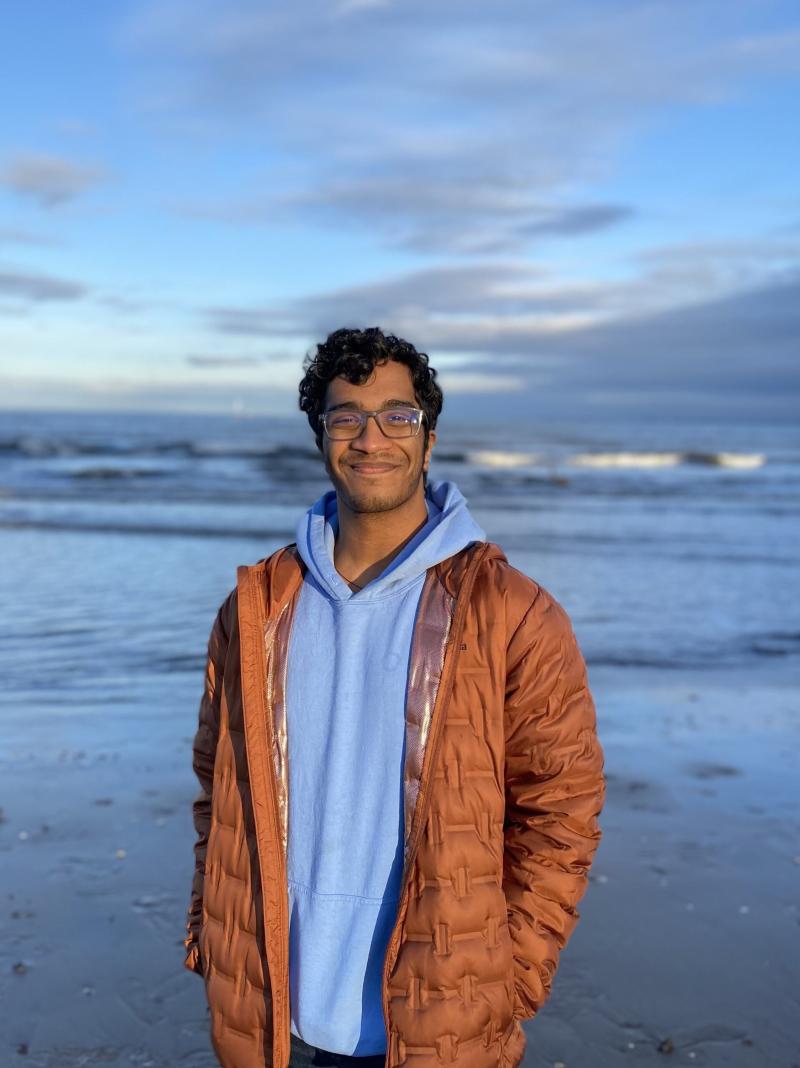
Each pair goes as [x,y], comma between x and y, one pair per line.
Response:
[585,205]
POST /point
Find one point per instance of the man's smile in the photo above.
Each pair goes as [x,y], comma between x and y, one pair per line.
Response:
[372,469]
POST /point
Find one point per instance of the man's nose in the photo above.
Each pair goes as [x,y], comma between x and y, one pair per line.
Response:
[371,435]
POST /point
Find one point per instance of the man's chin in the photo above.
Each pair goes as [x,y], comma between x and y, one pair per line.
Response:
[367,499]
[371,501]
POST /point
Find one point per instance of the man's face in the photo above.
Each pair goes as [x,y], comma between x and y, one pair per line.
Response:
[373,473]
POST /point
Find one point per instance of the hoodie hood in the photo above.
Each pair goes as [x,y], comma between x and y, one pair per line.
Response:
[449,528]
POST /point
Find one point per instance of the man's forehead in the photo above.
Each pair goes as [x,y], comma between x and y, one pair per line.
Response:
[387,382]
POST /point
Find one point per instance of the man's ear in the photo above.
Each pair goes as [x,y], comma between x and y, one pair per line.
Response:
[431,443]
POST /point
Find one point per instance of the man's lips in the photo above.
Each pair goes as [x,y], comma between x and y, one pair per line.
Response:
[372,469]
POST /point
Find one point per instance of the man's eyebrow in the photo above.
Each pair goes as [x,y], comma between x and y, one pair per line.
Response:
[393,403]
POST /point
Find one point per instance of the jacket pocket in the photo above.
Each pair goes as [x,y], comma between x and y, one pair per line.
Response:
[512,1045]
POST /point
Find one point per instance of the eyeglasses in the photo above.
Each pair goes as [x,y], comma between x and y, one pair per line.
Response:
[398,422]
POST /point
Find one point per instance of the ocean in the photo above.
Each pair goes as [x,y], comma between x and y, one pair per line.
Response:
[670,546]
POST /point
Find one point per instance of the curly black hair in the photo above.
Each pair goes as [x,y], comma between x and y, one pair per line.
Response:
[353,354]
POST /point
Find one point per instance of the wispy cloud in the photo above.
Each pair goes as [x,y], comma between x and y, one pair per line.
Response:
[49,180]
[483,150]
[513,304]
[577,221]
[429,295]
[478,215]
[39,288]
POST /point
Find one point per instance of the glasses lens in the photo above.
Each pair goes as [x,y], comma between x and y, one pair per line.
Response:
[399,422]
[342,424]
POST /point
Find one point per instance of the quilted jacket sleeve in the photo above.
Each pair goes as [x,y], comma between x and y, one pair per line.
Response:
[203,754]
[555,790]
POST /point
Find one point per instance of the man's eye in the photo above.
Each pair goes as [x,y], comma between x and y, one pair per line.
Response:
[344,420]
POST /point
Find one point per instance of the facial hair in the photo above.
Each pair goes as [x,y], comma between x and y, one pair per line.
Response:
[371,499]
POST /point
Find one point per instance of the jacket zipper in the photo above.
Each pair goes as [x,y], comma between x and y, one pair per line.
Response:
[270,773]
[284,880]
[423,800]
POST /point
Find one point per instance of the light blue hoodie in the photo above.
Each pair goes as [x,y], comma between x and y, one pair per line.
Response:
[345,704]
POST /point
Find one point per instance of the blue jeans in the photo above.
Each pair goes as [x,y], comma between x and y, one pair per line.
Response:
[304,1056]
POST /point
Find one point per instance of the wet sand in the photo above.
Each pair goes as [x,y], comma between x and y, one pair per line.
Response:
[689,939]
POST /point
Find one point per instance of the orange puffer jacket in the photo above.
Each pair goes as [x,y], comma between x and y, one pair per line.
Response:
[503,786]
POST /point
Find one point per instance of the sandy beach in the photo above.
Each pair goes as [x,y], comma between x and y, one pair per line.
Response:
[687,947]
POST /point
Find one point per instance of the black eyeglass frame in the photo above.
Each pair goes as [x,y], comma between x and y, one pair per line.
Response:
[364,416]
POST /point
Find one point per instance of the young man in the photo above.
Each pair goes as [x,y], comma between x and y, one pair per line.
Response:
[400,770]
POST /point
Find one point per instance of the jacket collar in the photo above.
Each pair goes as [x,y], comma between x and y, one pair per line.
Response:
[278,576]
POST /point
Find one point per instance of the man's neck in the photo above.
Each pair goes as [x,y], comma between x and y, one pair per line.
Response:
[367,542]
